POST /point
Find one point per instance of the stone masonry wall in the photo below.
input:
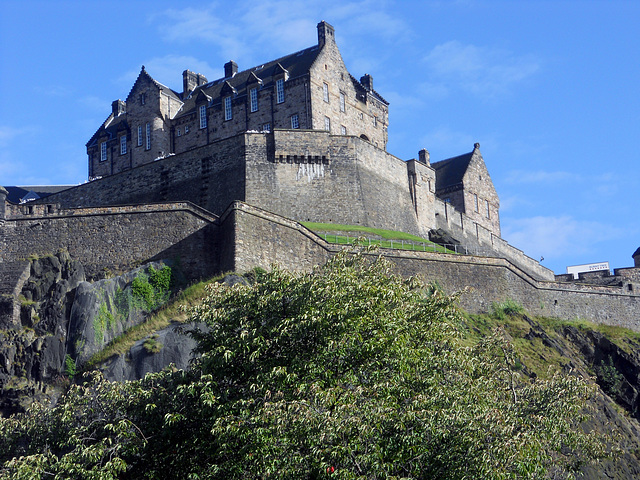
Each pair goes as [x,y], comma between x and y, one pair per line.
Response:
[483,280]
[116,239]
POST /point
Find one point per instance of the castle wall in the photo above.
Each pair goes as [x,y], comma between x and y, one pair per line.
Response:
[483,280]
[116,239]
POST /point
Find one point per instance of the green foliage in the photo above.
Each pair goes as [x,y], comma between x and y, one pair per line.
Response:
[502,310]
[69,367]
[104,320]
[349,372]
[151,291]
[151,344]
[609,378]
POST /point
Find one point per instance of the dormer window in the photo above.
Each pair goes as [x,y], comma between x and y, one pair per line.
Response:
[103,151]
[253,98]
[228,112]
[203,116]
[280,90]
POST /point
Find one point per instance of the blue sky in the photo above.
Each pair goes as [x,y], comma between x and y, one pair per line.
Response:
[550,90]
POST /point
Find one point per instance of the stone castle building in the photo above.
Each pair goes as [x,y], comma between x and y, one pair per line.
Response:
[220,174]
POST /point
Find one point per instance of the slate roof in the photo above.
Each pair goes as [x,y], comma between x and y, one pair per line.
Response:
[111,126]
[636,253]
[297,64]
[449,172]
[17,194]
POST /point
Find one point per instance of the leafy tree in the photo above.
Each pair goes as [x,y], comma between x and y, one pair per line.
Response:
[349,372]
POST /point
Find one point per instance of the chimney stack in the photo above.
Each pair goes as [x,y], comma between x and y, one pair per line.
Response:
[190,81]
[326,34]
[118,107]
[424,157]
[3,201]
[230,69]
[367,82]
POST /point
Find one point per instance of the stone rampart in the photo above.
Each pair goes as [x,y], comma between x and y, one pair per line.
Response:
[470,233]
[116,239]
[263,238]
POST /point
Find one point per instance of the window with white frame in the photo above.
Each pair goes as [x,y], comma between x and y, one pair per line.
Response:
[375,121]
[266,127]
[342,102]
[203,116]
[148,137]
[123,144]
[280,90]
[228,112]
[103,151]
[325,92]
[139,135]
[327,124]
[343,130]
[253,96]
[294,121]
[475,199]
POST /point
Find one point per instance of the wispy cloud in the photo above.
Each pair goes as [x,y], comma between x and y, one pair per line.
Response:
[541,176]
[481,71]
[556,236]
[8,134]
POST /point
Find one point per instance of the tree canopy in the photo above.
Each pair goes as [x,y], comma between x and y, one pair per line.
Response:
[347,372]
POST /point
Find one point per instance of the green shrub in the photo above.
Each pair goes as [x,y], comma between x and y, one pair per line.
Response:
[502,310]
[151,345]
[609,378]
[69,367]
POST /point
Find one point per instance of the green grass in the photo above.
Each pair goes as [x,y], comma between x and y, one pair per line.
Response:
[388,238]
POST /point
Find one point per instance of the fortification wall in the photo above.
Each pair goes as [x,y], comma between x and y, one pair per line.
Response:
[483,280]
[116,239]
[470,233]
[211,176]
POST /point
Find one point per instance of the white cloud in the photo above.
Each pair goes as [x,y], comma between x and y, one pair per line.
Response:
[555,237]
[481,71]
[541,176]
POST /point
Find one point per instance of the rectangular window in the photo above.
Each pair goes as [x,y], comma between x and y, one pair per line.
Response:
[327,124]
[475,199]
[148,137]
[142,99]
[139,135]
[103,151]
[266,127]
[325,92]
[203,116]
[253,94]
[341,102]
[123,145]
[294,121]
[179,133]
[375,121]
[280,90]
[228,112]
[486,204]
[343,130]
[186,129]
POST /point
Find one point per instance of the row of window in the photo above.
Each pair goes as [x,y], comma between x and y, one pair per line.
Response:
[477,206]
[123,142]
[253,101]
[325,95]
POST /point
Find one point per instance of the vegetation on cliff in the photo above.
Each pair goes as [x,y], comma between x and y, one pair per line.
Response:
[347,372]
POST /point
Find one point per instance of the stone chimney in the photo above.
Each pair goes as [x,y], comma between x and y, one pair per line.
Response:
[424,157]
[190,81]
[367,82]
[3,203]
[326,34]
[635,256]
[230,69]
[118,107]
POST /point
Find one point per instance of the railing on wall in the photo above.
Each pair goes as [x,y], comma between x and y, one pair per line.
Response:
[399,244]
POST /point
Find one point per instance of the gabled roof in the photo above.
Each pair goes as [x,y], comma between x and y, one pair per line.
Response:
[144,75]
[450,172]
[111,126]
[361,92]
[297,64]
[26,193]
